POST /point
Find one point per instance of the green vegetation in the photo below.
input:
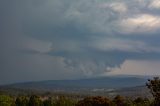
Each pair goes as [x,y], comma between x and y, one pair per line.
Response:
[21,101]
[35,100]
[154,86]
[46,100]
[117,101]
[6,100]
[95,101]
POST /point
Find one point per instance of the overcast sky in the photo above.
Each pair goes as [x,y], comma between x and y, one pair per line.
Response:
[69,39]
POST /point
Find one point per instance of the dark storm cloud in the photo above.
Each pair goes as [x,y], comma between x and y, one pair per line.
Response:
[57,39]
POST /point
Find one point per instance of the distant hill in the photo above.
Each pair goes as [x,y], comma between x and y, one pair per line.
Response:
[110,82]
[127,86]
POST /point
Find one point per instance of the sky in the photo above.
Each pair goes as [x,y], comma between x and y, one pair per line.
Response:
[72,39]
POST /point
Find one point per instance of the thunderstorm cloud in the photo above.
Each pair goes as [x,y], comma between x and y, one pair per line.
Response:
[59,39]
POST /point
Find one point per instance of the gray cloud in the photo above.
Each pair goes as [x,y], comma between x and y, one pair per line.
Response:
[58,39]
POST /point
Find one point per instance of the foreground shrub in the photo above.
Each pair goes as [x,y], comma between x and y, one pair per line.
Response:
[95,101]
[35,101]
[129,103]
[21,101]
[118,101]
[154,86]
[142,102]
[6,101]
[49,102]
[64,101]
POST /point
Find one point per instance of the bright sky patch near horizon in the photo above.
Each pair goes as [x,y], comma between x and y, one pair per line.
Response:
[59,39]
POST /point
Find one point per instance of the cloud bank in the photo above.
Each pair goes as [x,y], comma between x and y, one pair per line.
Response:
[58,39]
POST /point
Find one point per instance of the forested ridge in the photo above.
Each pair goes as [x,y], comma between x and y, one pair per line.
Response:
[38,100]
